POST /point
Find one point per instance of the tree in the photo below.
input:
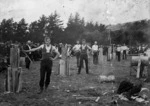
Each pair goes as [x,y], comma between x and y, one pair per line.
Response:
[54,27]
[7,29]
[75,28]
[20,32]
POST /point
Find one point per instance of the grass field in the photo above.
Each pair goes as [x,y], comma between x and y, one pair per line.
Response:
[64,91]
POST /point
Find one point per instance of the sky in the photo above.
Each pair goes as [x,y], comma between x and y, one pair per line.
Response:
[101,11]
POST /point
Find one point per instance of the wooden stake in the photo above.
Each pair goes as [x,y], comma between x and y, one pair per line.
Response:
[138,69]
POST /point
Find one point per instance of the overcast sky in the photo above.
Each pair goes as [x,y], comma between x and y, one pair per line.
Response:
[103,11]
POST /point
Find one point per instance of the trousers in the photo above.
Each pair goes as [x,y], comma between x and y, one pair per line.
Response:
[45,72]
[27,61]
[83,57]
[78,58]
[95,58]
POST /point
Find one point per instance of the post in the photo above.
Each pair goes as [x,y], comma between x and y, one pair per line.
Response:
[138,68]
[64,69]
[14,72]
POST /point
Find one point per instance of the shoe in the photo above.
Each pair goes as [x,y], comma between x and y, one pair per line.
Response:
[40,91]
[46,87]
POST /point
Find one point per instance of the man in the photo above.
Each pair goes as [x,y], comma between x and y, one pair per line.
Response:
[76,50]
[84,56]
[124,50]
[46,62]
[29,55]
[118,51]
[95,53]
[60,48]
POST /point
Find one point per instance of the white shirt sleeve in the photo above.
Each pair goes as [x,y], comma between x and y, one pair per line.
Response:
[74,47]
[54,49]
[92,47]
[42,46]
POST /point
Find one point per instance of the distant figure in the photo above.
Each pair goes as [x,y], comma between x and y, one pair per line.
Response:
[29,54]
[60,48]
[124,50]
[118,51]
[76,50]
[95,53]
[84,56]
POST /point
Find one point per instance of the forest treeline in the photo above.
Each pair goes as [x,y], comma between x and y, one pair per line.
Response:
[131,33]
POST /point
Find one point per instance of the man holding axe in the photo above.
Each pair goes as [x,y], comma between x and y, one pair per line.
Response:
[28,55]
[46,63]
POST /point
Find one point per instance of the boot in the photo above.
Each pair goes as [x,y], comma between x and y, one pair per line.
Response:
[40,91]
[46,87]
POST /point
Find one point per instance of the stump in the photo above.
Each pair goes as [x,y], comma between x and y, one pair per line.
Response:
[136,61]
[62,67]
[67,66]
[101,56]
[22,61]
[109,58]
[13,81]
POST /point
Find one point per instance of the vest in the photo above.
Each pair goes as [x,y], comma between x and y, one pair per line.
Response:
[46,55]
[84,51]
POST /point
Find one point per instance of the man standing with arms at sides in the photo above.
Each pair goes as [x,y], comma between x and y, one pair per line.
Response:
[27,60]
[46,62]
[95,52]
[76,50]
[84,56]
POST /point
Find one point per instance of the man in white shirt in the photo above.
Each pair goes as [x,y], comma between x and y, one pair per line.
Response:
[46,62]
[118,51]
[27,60]
[95,53]
[76,50]
[124,49]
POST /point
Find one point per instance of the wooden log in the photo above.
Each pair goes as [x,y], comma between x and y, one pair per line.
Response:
[22,61]
[14,57]
[14,80]
[8,79]
[135,60]
[62,67]
[101,56]
[138,69]
[67,67]
[86,98]
[109,53]
[19,85]
[14,72]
